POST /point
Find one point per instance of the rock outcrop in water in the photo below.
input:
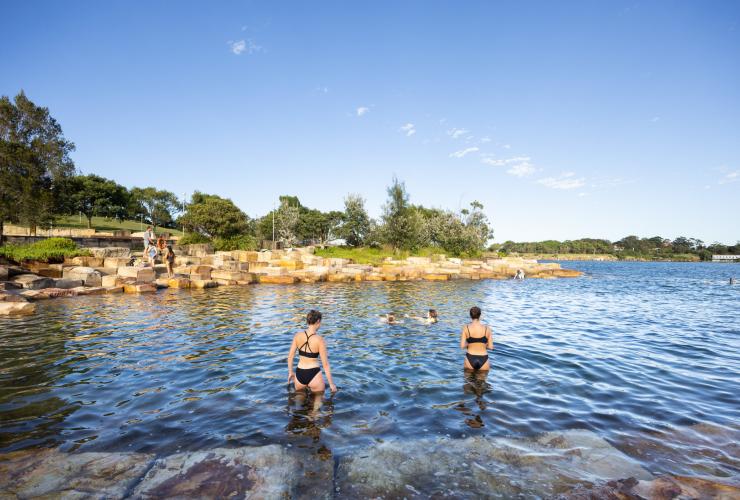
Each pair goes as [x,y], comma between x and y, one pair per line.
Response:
[573,464]
[108,271]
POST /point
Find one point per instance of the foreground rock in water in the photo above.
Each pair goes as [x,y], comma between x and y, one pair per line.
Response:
[50,473]
[259,472]
[16,308]
[477,467]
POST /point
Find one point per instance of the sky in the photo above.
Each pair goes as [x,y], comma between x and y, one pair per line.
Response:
[565,119]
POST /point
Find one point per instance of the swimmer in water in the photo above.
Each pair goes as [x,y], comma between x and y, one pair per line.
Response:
[732,281]
[390,319]
[476,338]
[431,317]
[310,345]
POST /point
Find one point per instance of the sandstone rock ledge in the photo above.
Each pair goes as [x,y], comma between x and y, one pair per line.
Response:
[110,271]
[574,464]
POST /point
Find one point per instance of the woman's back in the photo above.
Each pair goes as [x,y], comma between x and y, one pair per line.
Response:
[307,343]
[477,335]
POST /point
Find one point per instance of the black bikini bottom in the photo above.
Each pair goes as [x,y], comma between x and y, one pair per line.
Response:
[476,361]
[306,375]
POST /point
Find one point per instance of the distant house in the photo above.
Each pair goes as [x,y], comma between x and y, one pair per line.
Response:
[725,258]
[339,242]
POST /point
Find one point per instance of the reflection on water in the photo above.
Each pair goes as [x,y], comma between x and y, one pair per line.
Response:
[629,350]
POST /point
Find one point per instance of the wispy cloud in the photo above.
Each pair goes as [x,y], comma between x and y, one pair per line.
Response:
[362,110]
[566,180]
[506,146]
[730,177]
[241,46]
[463,152]
[519,166]
[456,133]
[655,119]
[409,129]
[485,139]
[323,90]
[609,182]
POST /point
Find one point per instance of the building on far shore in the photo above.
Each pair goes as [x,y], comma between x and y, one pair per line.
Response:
[725,258]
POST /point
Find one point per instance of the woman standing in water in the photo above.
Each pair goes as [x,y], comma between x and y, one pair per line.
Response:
[310,346]
[476,338]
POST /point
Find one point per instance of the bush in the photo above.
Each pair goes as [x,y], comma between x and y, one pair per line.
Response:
[48,250]
[243,242]
[193,239]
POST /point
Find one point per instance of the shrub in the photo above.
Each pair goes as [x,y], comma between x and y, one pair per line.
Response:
[193,239]
[48,250]
[243,242]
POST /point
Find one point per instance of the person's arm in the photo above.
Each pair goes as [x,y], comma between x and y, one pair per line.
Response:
[325,363]
[490,337]
[463,341]
[291,355]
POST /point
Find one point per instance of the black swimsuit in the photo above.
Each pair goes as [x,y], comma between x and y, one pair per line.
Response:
[477,360]
[306,375]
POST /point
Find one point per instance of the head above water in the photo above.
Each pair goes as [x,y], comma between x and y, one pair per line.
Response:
[475,312]
[313,317]
[433,313]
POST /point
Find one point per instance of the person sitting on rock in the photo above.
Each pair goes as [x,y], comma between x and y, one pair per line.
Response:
[152,254]
[161,244]
[519,275]
[476,338]
[310,345]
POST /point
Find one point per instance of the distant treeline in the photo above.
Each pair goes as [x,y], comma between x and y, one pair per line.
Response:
[39,183]
[628,247]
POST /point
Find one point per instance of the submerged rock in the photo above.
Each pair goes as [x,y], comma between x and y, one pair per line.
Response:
[255,472]
[16,308]
[553,464]
[48,472]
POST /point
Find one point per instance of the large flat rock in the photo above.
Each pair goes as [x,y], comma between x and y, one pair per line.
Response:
[549,465]
[33,282]
[52,474]
[263,472]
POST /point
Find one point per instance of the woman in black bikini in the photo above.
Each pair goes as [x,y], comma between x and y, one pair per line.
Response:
[310,345]
[477,338]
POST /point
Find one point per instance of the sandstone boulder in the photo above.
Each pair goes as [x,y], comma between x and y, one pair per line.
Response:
[278,279]
[116,262]
[87,275]
[139,288]
[48,473]
[251,472]
[108,252]
[85,261]
[201,284]
[178,283]
[109,280]
[3,273]
[114,289]
[16,309]
[67,283]
[33,282]
[140,274]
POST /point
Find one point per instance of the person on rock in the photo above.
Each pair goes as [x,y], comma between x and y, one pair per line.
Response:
[310,346]
[476,338]
[149,238]
[169,257]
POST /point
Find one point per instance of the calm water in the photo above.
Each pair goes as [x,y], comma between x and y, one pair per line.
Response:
[632,349]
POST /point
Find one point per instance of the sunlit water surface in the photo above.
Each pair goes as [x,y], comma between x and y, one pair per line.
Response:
[631,349]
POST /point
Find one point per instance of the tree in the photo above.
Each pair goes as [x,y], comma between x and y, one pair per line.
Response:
[355,220]
[317,225]
[401,226]
[34,161]
[286,222]
[93,195]
[215,217]
[155,206]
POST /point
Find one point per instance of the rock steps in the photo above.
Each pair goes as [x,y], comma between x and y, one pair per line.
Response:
[571,464]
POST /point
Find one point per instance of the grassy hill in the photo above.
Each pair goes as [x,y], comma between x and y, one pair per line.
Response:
[103,224]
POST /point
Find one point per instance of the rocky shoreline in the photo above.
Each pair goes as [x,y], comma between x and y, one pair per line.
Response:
[117,270]
[571,464]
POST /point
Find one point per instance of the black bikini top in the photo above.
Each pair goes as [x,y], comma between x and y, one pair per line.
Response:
[307,354]
[473,340]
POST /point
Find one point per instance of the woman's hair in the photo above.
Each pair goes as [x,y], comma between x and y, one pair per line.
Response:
[313,317]
[475,312]
[169,247]
[433,313]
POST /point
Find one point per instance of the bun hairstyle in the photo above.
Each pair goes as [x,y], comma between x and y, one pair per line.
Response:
[475,312]
[313,317]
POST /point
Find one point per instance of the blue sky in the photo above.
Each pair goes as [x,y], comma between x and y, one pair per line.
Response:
[565,119]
